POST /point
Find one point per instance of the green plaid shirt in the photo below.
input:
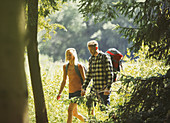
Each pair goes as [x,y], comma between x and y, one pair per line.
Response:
[100,70]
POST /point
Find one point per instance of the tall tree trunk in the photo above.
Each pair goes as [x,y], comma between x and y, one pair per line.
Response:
[13,87]
[33,58]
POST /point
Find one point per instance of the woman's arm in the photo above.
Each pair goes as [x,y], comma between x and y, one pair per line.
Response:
[63,82]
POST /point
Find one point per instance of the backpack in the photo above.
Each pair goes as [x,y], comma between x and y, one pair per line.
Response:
[115,56]
[77,71]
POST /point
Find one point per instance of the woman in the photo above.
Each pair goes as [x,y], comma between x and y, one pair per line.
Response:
[74,82]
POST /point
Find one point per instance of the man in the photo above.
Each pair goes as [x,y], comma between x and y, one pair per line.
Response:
[100,70]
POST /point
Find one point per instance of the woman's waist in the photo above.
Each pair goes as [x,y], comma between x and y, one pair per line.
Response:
[74,90]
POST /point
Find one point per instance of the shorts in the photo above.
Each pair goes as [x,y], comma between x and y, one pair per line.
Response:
[75,94]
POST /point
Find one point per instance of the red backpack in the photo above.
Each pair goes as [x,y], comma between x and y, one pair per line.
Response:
[115,58]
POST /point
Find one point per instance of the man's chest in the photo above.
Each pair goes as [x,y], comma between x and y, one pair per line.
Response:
[97,65]
[97,61]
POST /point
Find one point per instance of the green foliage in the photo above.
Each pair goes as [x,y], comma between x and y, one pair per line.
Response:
[151,20]
[148,102]
[45,8]
[56,46]
[78,32]
[136,95]
[147,82]
[101,9]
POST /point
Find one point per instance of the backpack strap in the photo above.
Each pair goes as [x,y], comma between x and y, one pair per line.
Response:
[67,68]
[78,73]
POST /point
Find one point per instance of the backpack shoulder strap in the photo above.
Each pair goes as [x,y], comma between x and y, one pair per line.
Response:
[67,68]
[78,72]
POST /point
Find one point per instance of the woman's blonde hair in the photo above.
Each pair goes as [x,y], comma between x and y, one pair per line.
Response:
[74,53]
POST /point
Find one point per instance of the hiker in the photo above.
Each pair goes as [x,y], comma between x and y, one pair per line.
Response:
[74,82]
[101,72]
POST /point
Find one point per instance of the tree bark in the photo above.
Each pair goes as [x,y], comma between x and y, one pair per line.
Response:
[13,87]
[33,58]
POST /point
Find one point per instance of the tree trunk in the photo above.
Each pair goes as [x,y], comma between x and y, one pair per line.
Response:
[33,58]
[13,87]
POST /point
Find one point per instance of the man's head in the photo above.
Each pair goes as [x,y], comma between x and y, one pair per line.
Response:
[93,47]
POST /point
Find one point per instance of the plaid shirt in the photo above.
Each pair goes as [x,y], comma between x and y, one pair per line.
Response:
[100,70]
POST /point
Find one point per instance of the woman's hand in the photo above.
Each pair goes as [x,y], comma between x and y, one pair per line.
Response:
[83,92]
[58,97]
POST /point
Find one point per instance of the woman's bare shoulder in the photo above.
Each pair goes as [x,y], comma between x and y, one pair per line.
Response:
[64,65]
[80,65]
